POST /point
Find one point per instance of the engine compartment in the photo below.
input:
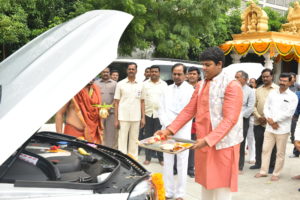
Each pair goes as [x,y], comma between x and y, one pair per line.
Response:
[55,161]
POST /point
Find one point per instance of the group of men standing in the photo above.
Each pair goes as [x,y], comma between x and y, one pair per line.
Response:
[273,108]
[219,108]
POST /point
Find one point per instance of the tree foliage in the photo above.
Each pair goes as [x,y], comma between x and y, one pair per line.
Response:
[275,19]
[176,28]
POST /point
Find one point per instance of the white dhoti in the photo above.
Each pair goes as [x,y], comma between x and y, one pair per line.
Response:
[175,188]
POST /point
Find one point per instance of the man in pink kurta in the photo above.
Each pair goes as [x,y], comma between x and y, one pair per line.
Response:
[216,167]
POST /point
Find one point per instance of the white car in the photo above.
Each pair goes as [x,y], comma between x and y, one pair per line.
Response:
[165,67]
[252,69]
[36,81]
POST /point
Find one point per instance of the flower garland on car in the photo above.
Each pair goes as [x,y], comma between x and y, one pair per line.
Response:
[158,182]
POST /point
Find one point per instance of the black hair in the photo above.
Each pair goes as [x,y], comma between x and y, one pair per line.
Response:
[254,80]
[194,69]
[114,71]
[285,75]
[132,63]
[267,70]
[244,74]
[293,74]
[179,64]
[214,54]
[155,67]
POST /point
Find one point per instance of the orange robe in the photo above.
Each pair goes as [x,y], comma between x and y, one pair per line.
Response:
[89,114]
[214,168]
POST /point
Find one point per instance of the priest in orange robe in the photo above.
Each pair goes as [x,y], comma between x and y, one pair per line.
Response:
[82,116]
[216,104]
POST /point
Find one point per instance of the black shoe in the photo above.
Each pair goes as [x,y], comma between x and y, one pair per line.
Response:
[175,172]
[271,169]
[254,167]
[191,174]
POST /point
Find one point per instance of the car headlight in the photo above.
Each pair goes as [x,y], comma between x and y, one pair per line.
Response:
[143,191]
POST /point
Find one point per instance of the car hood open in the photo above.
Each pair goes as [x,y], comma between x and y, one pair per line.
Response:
[42,76]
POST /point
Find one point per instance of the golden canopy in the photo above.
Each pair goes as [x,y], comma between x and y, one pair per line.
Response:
[255,38]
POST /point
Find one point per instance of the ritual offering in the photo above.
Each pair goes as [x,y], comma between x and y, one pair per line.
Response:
[171,145]
[103,112]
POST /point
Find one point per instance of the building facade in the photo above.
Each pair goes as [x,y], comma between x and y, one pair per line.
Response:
[281,6]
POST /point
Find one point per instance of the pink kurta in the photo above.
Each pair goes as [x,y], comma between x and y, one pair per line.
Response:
[214,168]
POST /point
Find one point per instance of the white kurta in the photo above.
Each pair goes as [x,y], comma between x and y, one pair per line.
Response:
[173,101]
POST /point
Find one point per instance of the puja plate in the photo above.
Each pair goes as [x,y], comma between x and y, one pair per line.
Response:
[180,145]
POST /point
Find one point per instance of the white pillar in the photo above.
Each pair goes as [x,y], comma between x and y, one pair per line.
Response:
[268,61]
[235,58]
[297,77]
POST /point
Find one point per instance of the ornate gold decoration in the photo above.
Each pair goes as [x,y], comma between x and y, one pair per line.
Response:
[254,19]
[293,25]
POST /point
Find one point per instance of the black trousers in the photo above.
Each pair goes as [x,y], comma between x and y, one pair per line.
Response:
[293,127]
[141,137]
[191,161]
[152,125]
[242,146]
[259,140]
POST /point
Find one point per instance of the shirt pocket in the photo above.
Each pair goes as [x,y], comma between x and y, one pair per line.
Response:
[284,105]
[138,93]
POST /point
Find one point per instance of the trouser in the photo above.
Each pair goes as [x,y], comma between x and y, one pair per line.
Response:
[293,127]
[269,142]
[251,140]
[110,133]
[173,189]
[128,137]
[259,139]
[216,194]
[191,161]
[152,125]
[141,137]
[242,146]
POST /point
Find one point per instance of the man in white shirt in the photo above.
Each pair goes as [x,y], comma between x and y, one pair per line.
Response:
[176,97]
[248,108]
[153,89]
[129,111]
[278,110]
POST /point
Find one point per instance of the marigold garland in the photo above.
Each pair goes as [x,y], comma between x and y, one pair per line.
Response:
[157,180]
[260,48]
[283,49]
[226,48]
[289,58]
[242,49]
[297,50]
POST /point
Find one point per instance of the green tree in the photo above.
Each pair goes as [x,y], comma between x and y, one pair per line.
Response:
[13,27]
[275,19]
[177,28]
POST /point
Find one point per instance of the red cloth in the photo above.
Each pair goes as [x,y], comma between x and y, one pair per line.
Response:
[73,131]
[214,168]
[193,128]
[90,113]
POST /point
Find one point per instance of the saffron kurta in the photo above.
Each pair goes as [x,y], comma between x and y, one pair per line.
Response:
[214,168]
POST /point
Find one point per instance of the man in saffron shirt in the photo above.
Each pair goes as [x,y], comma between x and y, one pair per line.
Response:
[82,118]
[216,104]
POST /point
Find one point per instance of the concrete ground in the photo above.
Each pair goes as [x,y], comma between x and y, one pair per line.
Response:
[250,188]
